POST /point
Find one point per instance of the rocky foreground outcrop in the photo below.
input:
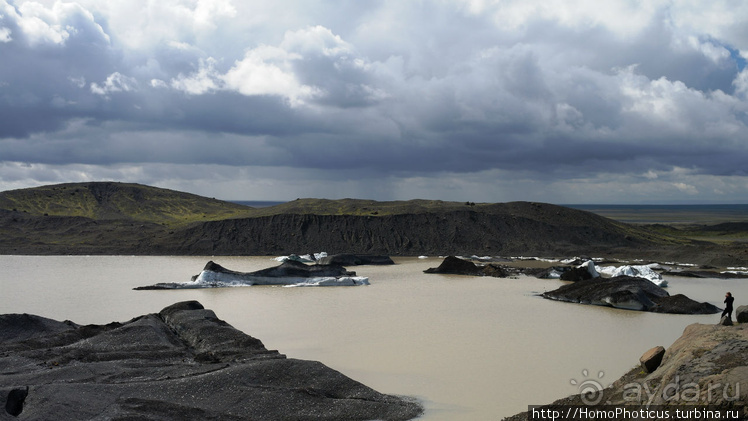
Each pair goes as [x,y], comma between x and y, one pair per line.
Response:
[706,369]
[628,293]
[182,363]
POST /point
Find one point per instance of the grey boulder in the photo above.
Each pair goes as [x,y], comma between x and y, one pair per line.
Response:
[741,314]
[651,359]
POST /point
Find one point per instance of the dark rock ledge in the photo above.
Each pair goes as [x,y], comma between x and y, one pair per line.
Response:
[182,363]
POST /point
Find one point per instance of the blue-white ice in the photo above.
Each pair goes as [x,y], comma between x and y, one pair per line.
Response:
[639,271]
[214,279]
[211,279]
[304,258]
[590,266]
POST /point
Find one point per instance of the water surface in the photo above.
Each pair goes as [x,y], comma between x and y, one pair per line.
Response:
[470,348]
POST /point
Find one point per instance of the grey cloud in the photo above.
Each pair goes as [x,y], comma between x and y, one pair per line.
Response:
[657,51]
[436,91]
[37,91]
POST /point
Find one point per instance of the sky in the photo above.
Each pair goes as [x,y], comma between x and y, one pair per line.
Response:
[559,101]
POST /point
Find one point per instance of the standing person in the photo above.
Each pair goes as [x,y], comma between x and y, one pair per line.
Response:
[728,305]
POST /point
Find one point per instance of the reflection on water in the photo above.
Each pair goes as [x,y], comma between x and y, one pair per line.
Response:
[471,348]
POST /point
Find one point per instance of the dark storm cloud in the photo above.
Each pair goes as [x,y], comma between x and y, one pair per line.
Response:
[42,68]
[399,89]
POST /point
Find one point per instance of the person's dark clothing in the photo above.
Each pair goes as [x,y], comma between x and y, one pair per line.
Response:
[728,306]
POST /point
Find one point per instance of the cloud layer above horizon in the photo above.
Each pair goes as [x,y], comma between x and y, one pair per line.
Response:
[556,101]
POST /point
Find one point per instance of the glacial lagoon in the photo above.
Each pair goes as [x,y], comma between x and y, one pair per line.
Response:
[469,348]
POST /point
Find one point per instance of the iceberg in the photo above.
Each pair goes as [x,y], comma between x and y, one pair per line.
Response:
[289,273]
[216,279]
[637,271]
[590,265]
[735,272]
[304,258]
[539,259]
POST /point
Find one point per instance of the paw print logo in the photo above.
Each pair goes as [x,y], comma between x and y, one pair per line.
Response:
[590,390]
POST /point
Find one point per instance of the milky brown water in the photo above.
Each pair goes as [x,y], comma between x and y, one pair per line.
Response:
[469,348]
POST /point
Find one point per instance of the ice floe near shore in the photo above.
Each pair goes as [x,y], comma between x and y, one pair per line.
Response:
[736,270]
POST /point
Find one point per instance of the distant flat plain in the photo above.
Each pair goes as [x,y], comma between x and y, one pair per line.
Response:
[670,214]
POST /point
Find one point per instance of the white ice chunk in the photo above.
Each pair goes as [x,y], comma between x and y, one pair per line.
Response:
[590,265]
[211,279]
[328,281]
[306,258]
[638,271]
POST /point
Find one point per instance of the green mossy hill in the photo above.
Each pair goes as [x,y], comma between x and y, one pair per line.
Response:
[119,201]
[119,218]
[360,207]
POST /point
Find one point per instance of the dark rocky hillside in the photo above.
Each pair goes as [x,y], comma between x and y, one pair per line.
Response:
[519,230]
[115,218]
